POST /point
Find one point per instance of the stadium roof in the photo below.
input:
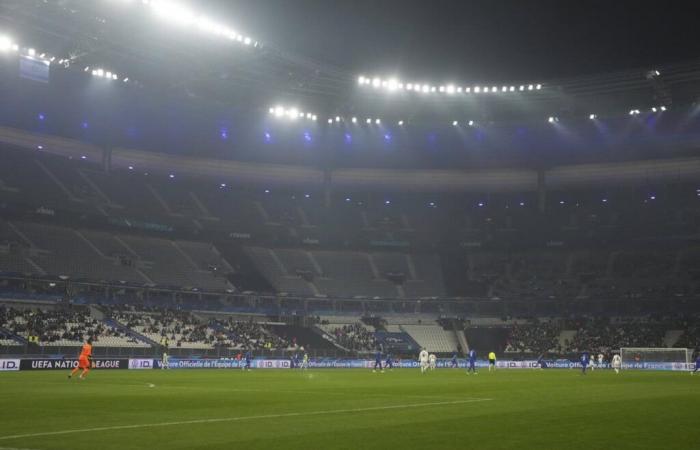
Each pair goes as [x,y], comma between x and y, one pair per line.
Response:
[590,57]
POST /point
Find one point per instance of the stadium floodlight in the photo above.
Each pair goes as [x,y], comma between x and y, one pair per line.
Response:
[538,87]
[400,122]
[553,119]
[653,109]
[354,120]
[455,123]
[409,86]
[467,89]
[662,108]
[450,89]
[376,83]
[471,123]
[5,43]
[378,121]
[592,116]
[504,89]
[279,111]
[441,88]
[100,72]
[530,87]
[314,117]
[361,79]
[459,89]
[369,121]
[522,88]
[31,52]
[337,118]
[392,84]
[330,121]
[512,89]
[425,88]
[477,89]
[494,89]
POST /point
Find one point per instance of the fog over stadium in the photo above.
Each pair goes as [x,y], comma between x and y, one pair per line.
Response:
[335,224]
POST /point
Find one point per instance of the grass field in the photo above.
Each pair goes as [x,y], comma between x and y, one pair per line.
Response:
[349,409]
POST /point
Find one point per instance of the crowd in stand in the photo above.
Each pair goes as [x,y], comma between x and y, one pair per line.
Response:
[534,337]
[177,328]
[50,326]
[601,334]
[249,335]
[355,337]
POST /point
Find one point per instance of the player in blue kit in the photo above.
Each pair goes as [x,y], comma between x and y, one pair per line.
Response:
[389,364]
[248,360]
[585,360]
[697,364]
[472,362]
[454,361]
[378,361]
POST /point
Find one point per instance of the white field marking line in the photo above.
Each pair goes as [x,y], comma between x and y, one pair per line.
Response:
[244,418]
[289,391]
[13,448]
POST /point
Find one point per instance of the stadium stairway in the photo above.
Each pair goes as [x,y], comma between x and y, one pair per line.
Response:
[305,337]
[672,336]
[16,337]
[113,323]
[566,336]
[327,336]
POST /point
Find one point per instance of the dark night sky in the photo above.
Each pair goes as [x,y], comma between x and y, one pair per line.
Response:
[442,40]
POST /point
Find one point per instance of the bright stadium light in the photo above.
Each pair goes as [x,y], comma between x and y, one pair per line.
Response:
[662,108]
[330,121]
[377,122]
[5,43]
[31,52]
[400,122]
[361,79]
[425,89]
[369,121]
[592,116]
[354,120]
[450,89]
[471,123]
[376,83]
[337,118]
[455,123]
[477,89]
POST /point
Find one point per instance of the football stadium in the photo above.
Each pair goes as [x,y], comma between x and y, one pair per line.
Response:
[328,224]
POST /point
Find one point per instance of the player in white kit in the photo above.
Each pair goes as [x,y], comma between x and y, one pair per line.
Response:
[616,363]
[423,360]
[433,361]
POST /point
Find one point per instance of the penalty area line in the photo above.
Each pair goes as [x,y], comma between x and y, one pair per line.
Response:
[241,418]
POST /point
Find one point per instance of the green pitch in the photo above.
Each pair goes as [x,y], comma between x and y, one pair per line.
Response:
[349,409]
